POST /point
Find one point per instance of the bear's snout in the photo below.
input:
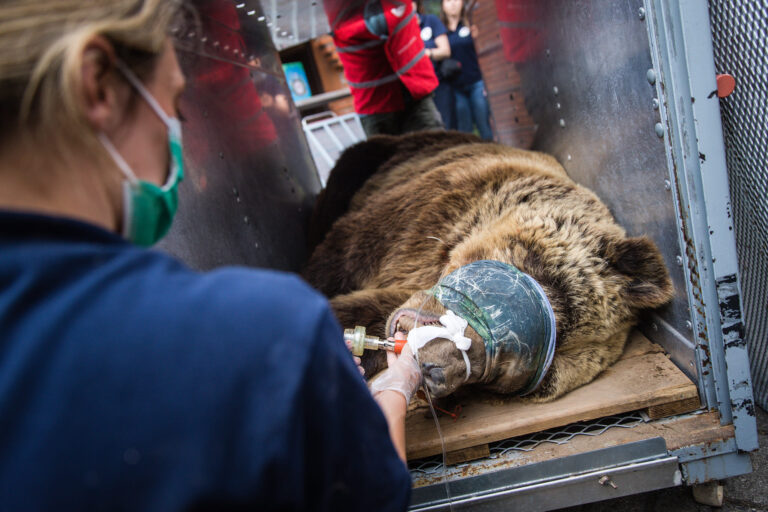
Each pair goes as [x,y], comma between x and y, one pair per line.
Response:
[433,372]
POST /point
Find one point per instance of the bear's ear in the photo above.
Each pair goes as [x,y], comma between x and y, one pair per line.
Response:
[640,260]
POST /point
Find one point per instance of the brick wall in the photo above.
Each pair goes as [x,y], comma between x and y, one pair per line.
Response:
[511,122]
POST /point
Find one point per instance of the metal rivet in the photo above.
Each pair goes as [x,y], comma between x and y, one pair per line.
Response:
[562,123]
[659,128]
[650,75]
[655,104]
[568,157]
[667,185]
[641,13]
[245,219]
[558,106]
[547,52]
[689,326]
[679,260]
[555,90]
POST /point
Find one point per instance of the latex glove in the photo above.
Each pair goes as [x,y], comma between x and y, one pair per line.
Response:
[403,375]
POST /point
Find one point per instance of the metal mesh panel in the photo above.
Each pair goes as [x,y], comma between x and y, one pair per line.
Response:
[560,435]
[739,31]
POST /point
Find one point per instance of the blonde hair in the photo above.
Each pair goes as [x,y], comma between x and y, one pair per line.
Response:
[41,51]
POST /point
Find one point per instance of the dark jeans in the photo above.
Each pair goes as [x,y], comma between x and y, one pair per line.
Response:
[445,105]
[472,106]
[417,115]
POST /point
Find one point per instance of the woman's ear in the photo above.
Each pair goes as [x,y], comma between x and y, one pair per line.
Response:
[103,95]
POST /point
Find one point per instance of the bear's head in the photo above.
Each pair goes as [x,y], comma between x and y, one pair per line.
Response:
[518,313]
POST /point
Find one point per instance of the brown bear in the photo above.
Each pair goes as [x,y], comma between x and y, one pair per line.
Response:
[541,279]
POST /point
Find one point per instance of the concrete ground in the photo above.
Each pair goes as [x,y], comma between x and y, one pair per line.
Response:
[747,493]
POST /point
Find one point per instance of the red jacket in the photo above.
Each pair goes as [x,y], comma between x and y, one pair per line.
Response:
[381,49]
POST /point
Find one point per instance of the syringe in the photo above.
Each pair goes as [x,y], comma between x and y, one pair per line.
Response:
[360,341]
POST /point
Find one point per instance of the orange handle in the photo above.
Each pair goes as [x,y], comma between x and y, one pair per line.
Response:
[399,344]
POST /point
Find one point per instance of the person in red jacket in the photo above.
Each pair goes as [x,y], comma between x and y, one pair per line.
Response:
[385,64]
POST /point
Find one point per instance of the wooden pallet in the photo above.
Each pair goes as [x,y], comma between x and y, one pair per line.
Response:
[643,379]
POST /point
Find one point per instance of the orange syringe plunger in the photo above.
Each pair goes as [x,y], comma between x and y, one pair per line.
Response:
[361,342]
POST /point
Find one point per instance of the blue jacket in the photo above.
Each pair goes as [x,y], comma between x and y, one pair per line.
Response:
[130,382]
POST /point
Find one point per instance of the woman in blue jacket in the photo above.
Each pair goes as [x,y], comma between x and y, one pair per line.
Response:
[127,380]
[471,102]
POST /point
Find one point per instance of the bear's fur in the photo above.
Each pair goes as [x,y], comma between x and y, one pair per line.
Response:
[400,212]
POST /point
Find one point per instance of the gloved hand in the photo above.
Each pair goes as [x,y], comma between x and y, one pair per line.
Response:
[403,375]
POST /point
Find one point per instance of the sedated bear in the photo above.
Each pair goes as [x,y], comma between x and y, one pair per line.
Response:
[522,277]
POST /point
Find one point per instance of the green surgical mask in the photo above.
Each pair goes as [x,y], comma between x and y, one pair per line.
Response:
[148,209]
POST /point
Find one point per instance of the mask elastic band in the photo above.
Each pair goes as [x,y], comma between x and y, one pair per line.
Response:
[118,158]
[135,82]
[453,327]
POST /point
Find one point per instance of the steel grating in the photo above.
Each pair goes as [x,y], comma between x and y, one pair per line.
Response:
[434,465]
[740,33]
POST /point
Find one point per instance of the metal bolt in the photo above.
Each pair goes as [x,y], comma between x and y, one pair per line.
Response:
[555,90]
[606,480]
[655,104]
[562,123]
[650,75]
[689,326]
[659,128]
[667,185]
[641,13]
[679,261]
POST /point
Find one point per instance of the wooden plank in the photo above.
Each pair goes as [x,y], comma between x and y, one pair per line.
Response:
[467,454]
[673,408]
[644,377]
